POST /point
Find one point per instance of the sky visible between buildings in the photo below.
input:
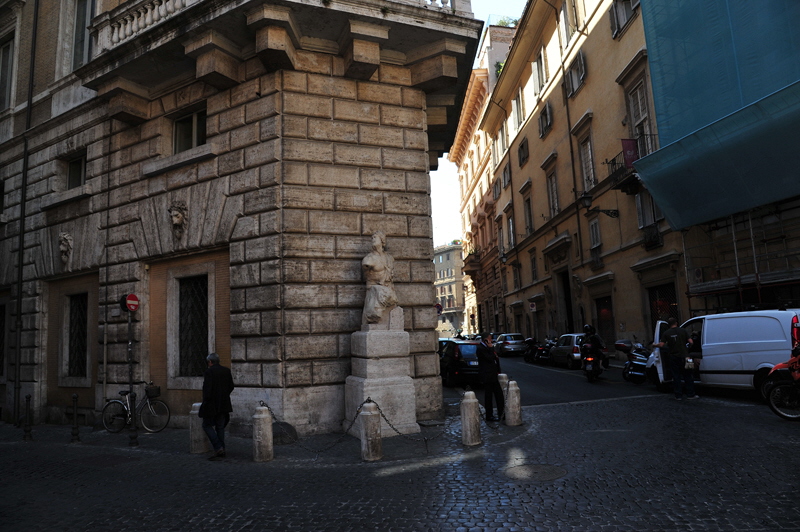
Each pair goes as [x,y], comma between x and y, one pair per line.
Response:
[445,196]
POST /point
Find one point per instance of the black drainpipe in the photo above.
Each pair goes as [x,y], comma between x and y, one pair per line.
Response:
[23,190]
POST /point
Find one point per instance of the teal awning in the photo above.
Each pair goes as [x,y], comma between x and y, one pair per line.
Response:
[746,159]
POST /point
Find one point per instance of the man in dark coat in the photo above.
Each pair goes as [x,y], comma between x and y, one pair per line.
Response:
[489,367]
[216,407]
[673,348]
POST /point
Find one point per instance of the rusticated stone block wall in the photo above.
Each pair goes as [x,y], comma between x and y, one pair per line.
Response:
[300,168]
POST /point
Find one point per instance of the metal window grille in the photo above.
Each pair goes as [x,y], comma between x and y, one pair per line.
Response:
[2,338]
[78,327]
[193,325]
[663,303]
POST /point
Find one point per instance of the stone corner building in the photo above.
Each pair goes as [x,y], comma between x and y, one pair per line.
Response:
[227,162]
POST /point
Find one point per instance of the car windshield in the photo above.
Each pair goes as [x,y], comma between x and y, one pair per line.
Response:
[468,349]
[513,338]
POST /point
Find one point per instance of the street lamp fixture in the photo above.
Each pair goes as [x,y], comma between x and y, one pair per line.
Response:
[585,201]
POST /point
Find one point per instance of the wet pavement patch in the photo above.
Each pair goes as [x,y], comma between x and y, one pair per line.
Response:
[536,472]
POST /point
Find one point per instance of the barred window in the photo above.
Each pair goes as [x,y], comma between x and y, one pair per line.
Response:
[77,354]
[193,325]
[2,339]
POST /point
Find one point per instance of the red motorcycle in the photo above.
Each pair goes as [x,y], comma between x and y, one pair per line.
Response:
[783,387]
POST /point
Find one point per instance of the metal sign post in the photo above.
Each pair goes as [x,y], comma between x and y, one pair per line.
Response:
[130,304]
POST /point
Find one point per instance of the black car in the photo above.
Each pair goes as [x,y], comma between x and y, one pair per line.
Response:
[458,362]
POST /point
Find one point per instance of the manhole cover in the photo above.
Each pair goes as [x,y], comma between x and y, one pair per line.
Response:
[535,472]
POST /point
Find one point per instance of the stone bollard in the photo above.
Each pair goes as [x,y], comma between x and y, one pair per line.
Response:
[371,444]
[262,435]
[198,441]
[503,379]
[513,405]
[76,438]
[470,420]
[26,427]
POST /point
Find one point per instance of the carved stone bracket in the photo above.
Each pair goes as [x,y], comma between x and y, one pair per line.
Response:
[217,59]
[277,36]
[127,101]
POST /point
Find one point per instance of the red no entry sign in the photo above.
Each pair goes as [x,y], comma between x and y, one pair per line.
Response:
[132,302]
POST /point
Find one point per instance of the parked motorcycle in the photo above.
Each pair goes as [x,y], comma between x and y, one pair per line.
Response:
[635,369]
[783,387]
[538,352]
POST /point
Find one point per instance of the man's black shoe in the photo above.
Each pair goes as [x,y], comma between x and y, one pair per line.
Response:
[490,418]
[218,455]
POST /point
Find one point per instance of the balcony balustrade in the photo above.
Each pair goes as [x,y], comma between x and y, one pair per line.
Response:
[132,19]
[652,237]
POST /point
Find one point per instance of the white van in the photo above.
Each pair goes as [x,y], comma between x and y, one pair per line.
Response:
[738,348]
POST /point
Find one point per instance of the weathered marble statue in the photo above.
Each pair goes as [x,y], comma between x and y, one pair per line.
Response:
[378,268]
[177,212]
[65,248]
[379,353]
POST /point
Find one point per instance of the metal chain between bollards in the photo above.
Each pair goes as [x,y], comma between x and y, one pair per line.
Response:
[424,439]
[316,452]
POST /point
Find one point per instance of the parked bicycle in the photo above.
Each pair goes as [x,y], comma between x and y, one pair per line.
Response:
[153,414]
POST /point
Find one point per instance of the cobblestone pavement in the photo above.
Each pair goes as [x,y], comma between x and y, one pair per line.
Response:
[641,463]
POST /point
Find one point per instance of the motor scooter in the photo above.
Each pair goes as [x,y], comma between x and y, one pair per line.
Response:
[592,364]
[635,368]
[783,387]
[538,352]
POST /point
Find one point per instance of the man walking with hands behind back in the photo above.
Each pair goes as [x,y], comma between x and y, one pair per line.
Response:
[489,366]
[216,407]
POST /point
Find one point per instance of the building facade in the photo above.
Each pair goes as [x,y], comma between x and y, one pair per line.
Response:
[471,153]
[726,174]
[448,289]
[227,162]
[559,231]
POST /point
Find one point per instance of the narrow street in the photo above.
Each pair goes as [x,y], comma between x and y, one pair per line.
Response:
[545,385]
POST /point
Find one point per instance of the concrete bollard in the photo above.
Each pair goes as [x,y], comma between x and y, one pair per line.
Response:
[513,405]
[198,441]
[371,444]
[470,420]
[503,379]
[262,435]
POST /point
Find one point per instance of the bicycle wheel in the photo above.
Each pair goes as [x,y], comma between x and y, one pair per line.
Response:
[115,416]
[155,416]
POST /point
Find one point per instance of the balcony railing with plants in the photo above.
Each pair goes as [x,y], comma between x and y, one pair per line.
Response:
[620,168]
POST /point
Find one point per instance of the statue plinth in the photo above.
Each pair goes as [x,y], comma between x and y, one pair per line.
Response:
[381,371]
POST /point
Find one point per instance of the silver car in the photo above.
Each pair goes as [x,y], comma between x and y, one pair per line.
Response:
[511,344]
[567,350]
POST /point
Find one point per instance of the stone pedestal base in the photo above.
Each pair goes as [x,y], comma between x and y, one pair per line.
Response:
[381,371]
[393,395]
